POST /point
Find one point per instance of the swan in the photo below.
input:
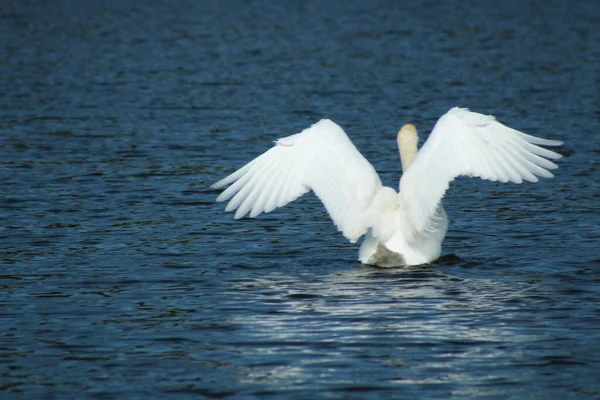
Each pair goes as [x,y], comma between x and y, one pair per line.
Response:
[400,228]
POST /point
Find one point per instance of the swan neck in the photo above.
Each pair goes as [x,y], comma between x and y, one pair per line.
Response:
[407,145]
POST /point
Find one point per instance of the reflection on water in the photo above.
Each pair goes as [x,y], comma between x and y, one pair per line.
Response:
[418,325]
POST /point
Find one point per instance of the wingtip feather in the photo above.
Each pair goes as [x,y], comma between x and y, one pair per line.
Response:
[218,185]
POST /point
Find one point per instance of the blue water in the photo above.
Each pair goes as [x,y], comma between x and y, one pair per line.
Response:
[121,278]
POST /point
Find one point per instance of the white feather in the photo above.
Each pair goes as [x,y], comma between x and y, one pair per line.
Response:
[321,158]
[470,144]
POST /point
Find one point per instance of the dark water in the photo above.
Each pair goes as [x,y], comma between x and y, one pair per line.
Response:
[120,278]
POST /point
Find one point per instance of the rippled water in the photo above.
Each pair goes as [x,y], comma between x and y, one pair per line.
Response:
[121,278]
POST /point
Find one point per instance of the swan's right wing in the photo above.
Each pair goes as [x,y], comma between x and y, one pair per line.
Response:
[468,144]
[321,158]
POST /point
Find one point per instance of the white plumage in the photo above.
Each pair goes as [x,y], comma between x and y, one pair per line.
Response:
[405,228]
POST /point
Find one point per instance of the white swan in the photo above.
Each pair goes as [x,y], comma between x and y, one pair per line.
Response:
[405,228]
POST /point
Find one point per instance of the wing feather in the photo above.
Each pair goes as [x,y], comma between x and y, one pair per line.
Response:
[321,158]
[468,144]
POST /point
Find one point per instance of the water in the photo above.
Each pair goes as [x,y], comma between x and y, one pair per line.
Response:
[121,278]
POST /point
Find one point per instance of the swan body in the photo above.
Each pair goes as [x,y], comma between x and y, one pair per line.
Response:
[400,228]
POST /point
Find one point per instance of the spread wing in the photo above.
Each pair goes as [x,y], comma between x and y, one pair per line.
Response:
[321,158]
[469,144]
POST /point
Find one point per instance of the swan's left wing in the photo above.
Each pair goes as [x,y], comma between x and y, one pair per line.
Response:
[321,158]
[468,144]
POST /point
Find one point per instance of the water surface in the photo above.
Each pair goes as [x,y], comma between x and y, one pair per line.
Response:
[121,278]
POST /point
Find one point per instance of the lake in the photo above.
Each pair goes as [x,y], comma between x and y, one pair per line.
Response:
[121,277]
